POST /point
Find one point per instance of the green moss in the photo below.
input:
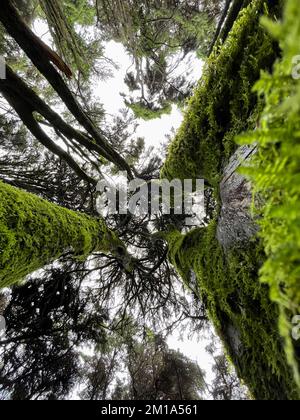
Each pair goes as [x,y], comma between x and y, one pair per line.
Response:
[228,285]
[275,174]
[34,233]
[142,111]
[223,104]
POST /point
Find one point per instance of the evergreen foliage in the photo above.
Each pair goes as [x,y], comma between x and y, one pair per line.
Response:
[250,291]
[275,174]
[75,46]
[158,35]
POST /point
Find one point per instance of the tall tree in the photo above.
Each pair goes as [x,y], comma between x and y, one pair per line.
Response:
[158,373]
[42,57]
[48,319]
[158,35]
[34,232]
[151,371]
[225,385]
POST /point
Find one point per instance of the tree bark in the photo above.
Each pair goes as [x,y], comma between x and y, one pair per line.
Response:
[236,225]
[220,25]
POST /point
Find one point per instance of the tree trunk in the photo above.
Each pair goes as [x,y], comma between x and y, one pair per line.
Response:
[236,225]
[233,13]
[34,233]
[220,25]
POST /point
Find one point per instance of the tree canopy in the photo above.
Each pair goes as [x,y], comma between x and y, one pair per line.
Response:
[91,300]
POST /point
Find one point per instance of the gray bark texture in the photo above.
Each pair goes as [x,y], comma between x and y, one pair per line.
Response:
[236,225]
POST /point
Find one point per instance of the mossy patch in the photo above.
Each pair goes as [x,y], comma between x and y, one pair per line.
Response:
[34,233]
[223,104]
[228,285]
[275,175]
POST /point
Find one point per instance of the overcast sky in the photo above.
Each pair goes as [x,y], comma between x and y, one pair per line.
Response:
[109,91]
[109,94]
[154,132]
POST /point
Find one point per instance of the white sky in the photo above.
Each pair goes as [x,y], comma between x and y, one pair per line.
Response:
[109,93]
[154,132]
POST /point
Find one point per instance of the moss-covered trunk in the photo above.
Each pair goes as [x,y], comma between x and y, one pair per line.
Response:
[34,233]
[223,104]
[222,261]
